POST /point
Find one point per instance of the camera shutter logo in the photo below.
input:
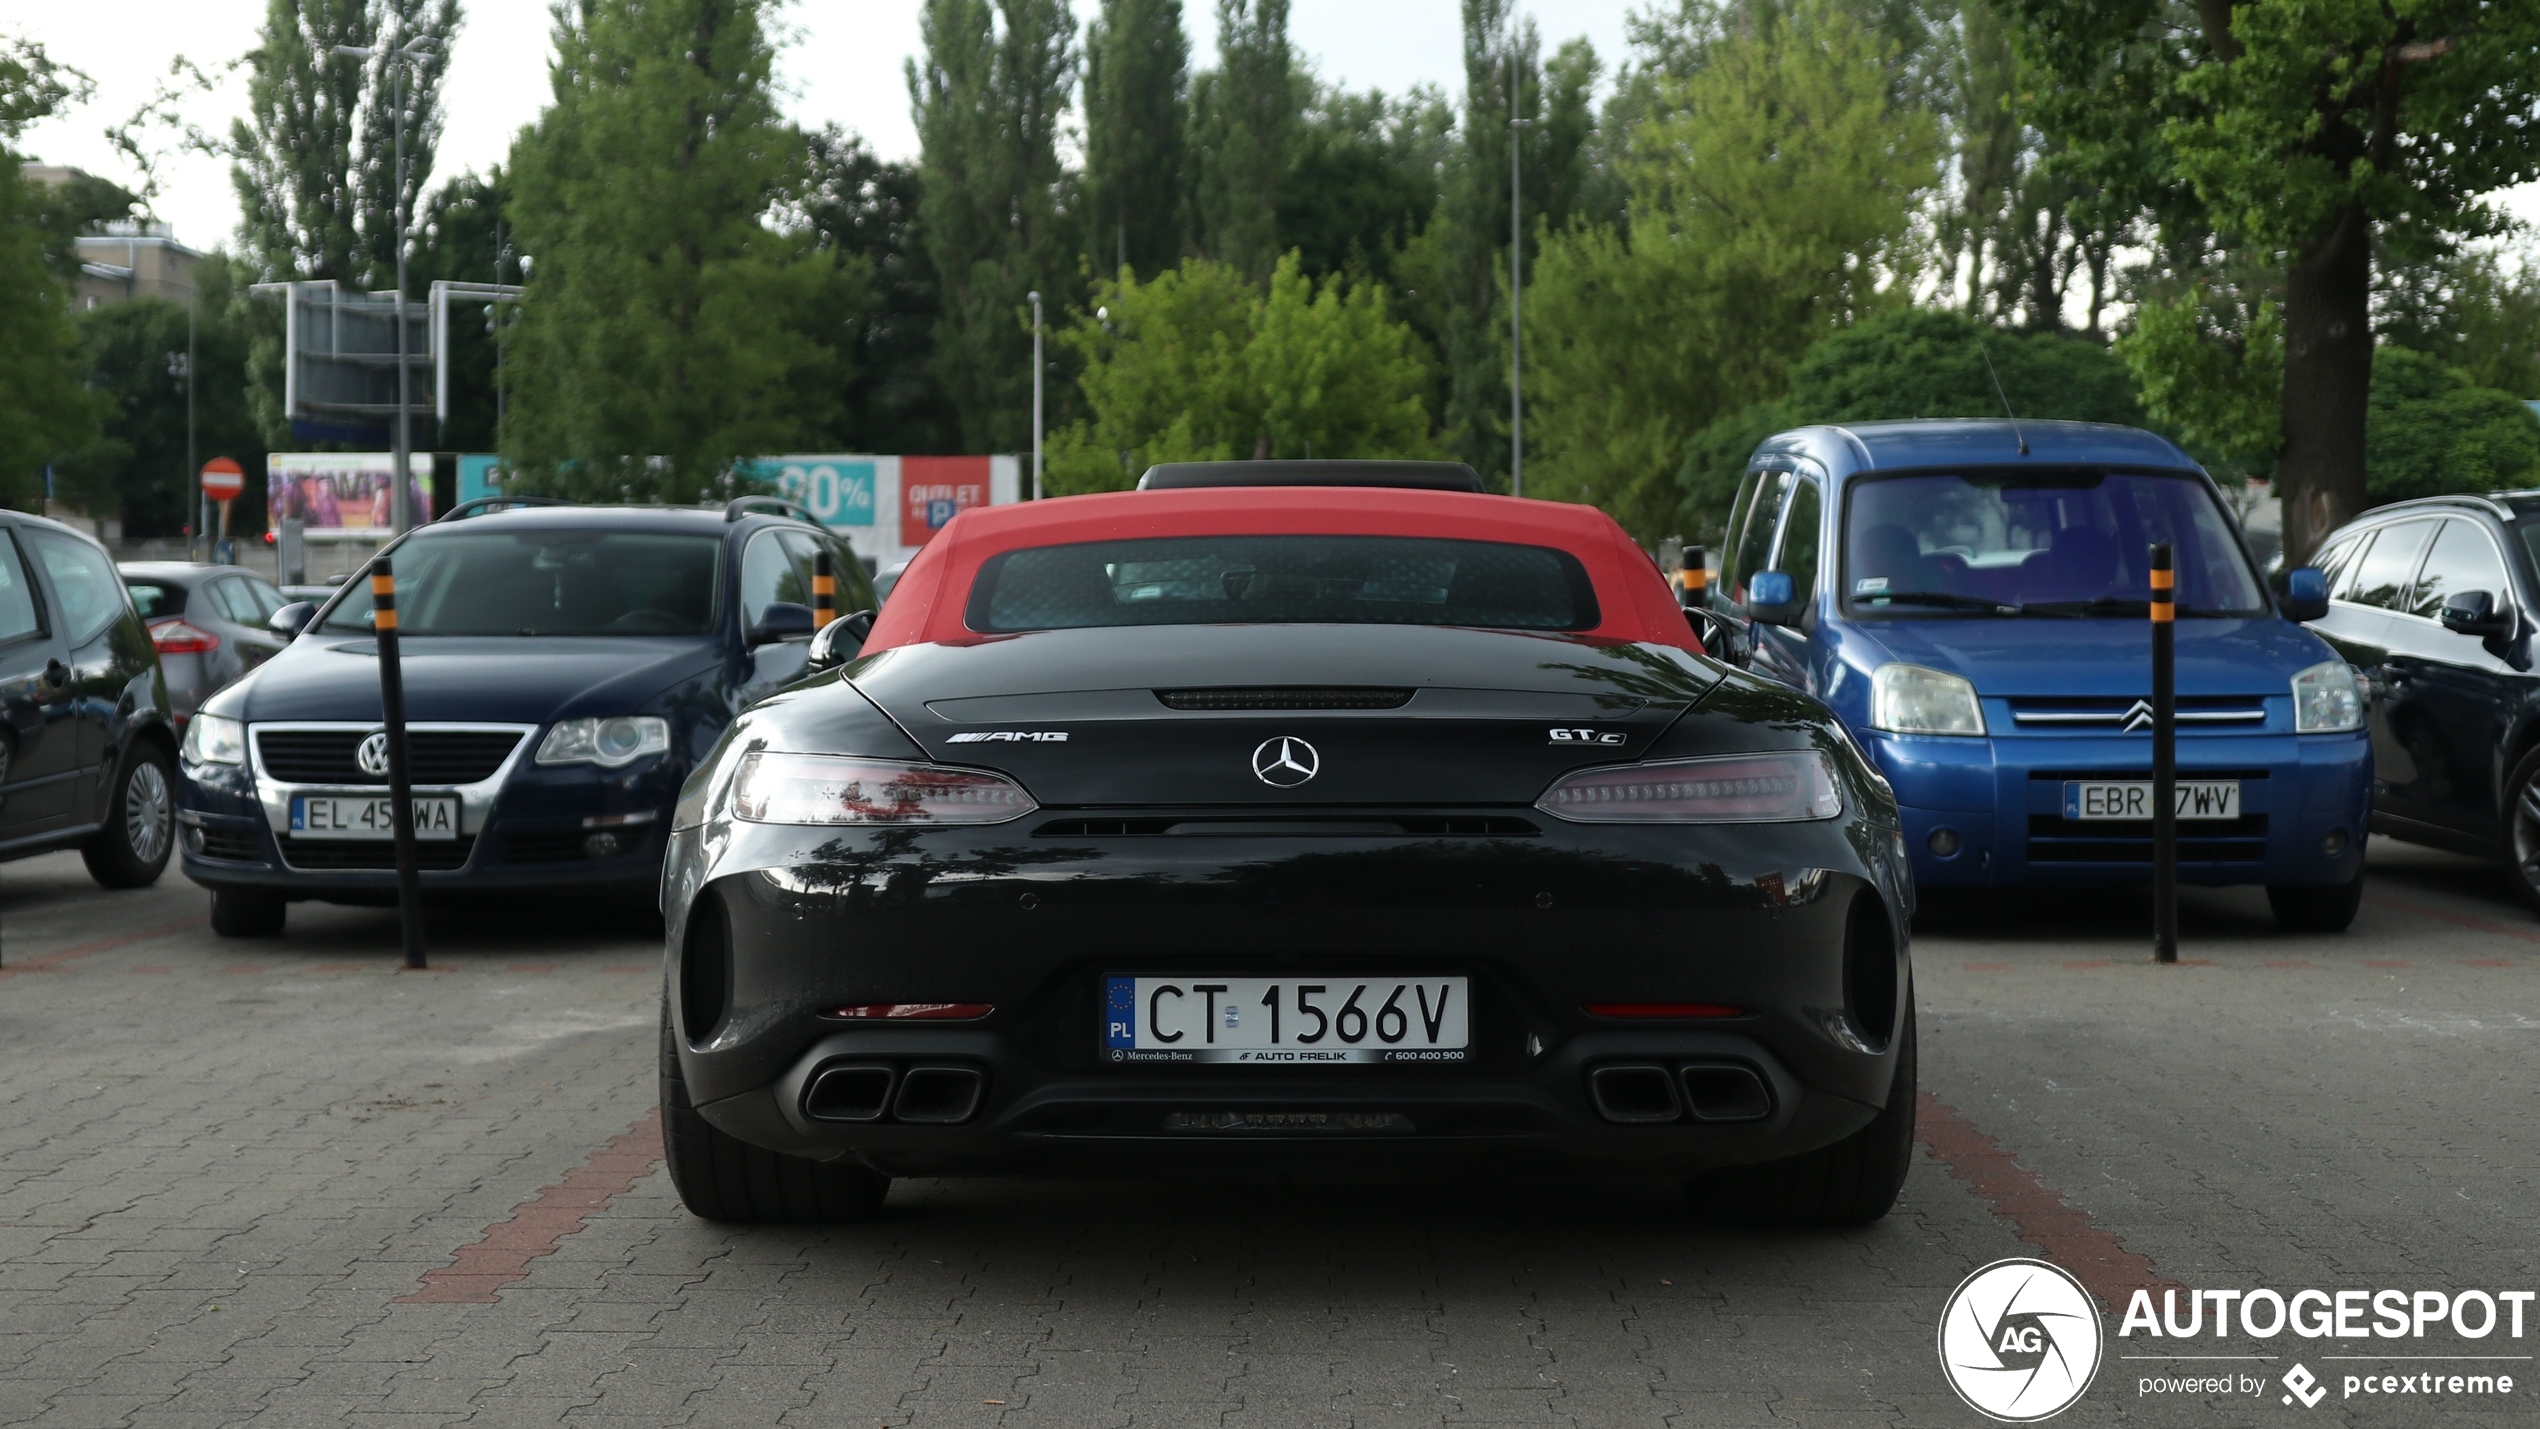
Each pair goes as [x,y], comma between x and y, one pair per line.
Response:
[1285,762]
[2020,1341]
[372,756]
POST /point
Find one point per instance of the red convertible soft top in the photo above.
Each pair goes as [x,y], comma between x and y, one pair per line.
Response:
[1633,599]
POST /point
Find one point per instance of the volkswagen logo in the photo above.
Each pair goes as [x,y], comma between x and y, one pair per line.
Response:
[373,754]
[1285,762]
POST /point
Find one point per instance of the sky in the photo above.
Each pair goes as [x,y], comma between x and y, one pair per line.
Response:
[843,67]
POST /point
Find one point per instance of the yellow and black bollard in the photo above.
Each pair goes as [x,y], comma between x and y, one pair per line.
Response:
[1697,577]
[824,592]
[392,710]
[2164,756]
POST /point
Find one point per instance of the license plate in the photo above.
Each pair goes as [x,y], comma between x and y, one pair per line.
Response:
[1287,1021]
[2131,799]
[328,816]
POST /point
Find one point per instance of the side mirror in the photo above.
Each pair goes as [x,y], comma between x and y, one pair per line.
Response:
[2474,612]
[842,641]
[1723,638]
[2305,594]
[289,621]
[784,620]
[1771,597]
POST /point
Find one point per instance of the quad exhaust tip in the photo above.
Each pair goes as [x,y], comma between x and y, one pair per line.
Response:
[1649,1094]
[927,1094]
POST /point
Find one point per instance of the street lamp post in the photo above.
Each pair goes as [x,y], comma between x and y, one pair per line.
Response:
[1037,368]
[400,497]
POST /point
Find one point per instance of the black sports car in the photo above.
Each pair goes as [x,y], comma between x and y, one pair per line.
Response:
[1347,822]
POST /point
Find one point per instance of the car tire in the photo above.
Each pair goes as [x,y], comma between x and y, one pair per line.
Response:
[1851,1183]
[2316,907]
[237,913]
[720,1177]
[2522,827]
[132,850]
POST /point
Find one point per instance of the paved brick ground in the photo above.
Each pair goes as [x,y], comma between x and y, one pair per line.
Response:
[236,1177]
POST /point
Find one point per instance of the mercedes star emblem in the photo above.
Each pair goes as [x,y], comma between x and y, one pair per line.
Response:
[373,755]
[1285,762]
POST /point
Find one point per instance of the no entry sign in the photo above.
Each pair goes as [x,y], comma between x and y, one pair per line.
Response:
[222,479]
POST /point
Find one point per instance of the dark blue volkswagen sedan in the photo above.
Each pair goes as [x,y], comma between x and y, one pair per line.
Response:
[564,667]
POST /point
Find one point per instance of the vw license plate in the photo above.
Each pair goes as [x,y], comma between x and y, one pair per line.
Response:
[2131,799]
[1288,1021]
[330,816]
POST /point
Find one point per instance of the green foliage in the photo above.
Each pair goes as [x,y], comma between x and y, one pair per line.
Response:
[1362,180]
[462,236]
[865,211]
[2435,432]
[1905,364]
[74,206]
[1137,121]
[2474,312]
[669,328]
[1198,364]
[43,409]
[993,208]
[1244,118]
[34,86]
[2212,373]
[1771,204]
[137,468]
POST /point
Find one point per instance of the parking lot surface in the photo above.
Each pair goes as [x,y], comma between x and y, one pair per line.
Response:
[285,1183]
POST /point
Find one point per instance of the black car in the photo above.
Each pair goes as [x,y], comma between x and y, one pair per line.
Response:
[87,748]
[1286,829]
[2432,600]
[564,668]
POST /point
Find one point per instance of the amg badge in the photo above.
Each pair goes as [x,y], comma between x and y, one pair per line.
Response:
[1009,736]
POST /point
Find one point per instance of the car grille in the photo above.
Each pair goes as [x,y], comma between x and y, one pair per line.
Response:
[326,855]
[1286,697]
[1272,826]
[434,756]
[2091,714]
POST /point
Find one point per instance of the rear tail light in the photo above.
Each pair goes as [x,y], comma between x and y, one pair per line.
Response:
[833,789]
[175,637]
[914,1011]
[1728,789]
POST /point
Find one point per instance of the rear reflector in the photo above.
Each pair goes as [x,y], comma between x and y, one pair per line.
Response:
[175,637]
[1662,1009]
[1735,789]
[918,1011]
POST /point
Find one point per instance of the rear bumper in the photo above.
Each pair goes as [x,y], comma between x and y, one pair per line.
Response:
[2306,805]
[1758,918]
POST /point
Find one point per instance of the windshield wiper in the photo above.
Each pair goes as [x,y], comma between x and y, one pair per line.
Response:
[1944,599]
[2103,605]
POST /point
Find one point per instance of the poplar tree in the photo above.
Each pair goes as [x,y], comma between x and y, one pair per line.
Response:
[1245,117]
[1137,117]
[993,207]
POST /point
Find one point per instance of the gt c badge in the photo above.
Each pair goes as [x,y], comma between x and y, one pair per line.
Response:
[1285,762]
[1589,736]
[1008,736]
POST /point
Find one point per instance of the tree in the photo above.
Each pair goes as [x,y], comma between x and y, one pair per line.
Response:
[2312,130]
[2473,312]
[993,203]
[1197,364]
[864,210]
[2435,432]
[1137,122]
[43,409]
[318,191]
[669,327]
[1245,114]
[1771,204]
[1362,180]
[462,236]
[79,204]
[137,469]
[1910,363]
[2210,362]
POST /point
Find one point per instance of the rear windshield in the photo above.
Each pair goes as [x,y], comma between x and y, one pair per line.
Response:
[1288,580]
[154,600]
[2057,542]
[548,582]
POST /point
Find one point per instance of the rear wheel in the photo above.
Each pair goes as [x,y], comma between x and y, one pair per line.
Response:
[1851,1183]
[2522,826]
[237,913]
[723,1178]
[2317,907]
[131,851]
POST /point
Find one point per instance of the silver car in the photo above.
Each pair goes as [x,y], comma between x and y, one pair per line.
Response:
[209,623]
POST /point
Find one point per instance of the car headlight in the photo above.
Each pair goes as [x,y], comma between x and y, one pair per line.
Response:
[1908,699]
[2327,699]
[215,739]
[843,789]
[1726,789]
[610,743]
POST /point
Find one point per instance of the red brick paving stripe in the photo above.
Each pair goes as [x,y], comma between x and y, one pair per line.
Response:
[501,1256]
[2061,1230]
[2446,915]
[46,962]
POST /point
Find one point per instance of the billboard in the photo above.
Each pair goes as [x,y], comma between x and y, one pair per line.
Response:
[342,491]
[935,489]
[837,489]
[888,506]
